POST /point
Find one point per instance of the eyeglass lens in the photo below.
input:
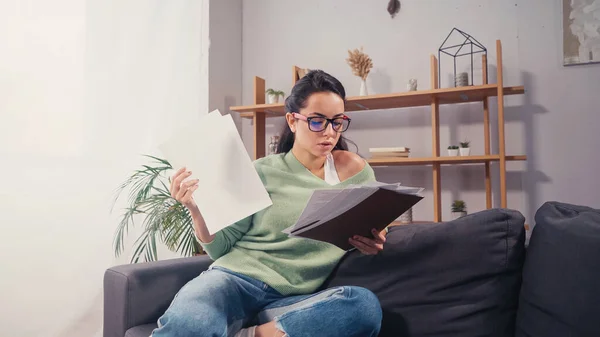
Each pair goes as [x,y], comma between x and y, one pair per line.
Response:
[320,123]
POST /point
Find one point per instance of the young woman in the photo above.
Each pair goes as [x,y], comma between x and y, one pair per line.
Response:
[262,282]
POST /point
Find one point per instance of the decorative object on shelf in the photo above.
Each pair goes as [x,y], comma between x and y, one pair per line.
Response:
[273,144]
[412,84]
[459,209]
[165,220]
[393,7]
[406,217]
[461,80]
[581,20]
[364,91]
[302,72]
[273,95]
[465,150]
[453,150]
[361,64]
[469,42]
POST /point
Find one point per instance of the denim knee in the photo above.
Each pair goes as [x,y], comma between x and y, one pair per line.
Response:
[366,309]
[184,323]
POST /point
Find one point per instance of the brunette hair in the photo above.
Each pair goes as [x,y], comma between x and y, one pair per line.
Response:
[313,82]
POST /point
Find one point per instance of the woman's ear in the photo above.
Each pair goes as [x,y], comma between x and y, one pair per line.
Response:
[291,121]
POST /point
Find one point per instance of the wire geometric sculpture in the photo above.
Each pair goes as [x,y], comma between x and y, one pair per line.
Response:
[469,40]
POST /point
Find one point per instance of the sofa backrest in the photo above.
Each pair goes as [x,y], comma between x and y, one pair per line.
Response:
[456,278]
[560,295]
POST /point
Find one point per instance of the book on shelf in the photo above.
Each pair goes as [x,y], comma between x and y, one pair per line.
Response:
[389,149]
[386,152]
[389,154]
[335,215]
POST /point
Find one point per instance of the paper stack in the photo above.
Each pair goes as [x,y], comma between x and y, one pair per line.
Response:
[334,215]
[229,187]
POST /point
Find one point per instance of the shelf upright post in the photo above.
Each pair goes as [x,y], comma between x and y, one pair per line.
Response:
[486,133]
[259,119]
[295,75]
[501,144]
[435,144]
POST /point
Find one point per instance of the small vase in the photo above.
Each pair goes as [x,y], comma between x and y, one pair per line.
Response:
[461,80]
[406,217]
[465,151]
[412,84]
[452,152]
[363,88]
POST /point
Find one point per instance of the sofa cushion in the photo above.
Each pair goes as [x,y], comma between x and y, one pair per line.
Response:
[141,330]
[560,295]
[458,278]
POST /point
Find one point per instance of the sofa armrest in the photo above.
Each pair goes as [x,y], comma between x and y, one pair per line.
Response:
[136,294]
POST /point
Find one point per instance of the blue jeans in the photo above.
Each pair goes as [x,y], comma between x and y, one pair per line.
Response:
[219,302]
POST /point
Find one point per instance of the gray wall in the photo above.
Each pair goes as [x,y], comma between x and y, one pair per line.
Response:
[552,124]
[225,56]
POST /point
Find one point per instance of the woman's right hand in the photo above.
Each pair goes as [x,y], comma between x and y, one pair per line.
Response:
[182,190]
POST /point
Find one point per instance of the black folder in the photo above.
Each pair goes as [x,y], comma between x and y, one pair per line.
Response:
[335,215]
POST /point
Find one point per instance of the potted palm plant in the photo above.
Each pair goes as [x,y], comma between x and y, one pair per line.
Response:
[459,209]
[163,218]
[273,95]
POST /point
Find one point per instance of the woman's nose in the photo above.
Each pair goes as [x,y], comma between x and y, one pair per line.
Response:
[329,130]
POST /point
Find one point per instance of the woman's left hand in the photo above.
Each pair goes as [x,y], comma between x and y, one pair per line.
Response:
[369,246]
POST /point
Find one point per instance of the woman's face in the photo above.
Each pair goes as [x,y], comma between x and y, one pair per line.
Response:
[311,135]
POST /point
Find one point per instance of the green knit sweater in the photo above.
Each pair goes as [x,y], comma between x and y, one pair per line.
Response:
[255,245]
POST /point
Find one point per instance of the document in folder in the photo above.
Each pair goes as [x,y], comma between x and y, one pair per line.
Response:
[335,215]
[229,189]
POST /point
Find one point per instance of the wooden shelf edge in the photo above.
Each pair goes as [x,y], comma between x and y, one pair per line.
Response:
[277,110]
[441,160]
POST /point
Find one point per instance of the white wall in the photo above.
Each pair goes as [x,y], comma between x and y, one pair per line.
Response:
[86,87]
[317,34]
[225,59]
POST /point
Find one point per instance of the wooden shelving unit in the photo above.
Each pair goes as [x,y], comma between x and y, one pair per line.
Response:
[435,97]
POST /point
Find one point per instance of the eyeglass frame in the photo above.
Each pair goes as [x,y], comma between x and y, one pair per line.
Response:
[328,121]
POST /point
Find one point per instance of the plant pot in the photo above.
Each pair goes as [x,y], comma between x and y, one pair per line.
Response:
[465,151]
[272,99]
[453,153]
[456,215]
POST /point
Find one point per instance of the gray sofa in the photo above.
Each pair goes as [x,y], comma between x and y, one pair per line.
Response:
[468,277]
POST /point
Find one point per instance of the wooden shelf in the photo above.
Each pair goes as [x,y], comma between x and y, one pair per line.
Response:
[441,160]
[432,99]
[398,100]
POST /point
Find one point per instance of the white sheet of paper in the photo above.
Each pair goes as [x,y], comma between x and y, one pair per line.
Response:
[229,188]
[316,202]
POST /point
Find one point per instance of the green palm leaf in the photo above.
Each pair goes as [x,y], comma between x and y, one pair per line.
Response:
[164,219]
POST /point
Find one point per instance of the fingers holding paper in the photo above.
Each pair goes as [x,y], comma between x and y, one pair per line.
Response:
[182,190]
[369,246]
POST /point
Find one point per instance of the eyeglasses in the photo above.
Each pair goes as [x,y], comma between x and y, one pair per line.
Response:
[319,124]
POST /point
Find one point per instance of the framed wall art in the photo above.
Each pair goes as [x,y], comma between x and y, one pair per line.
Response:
[581,31]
